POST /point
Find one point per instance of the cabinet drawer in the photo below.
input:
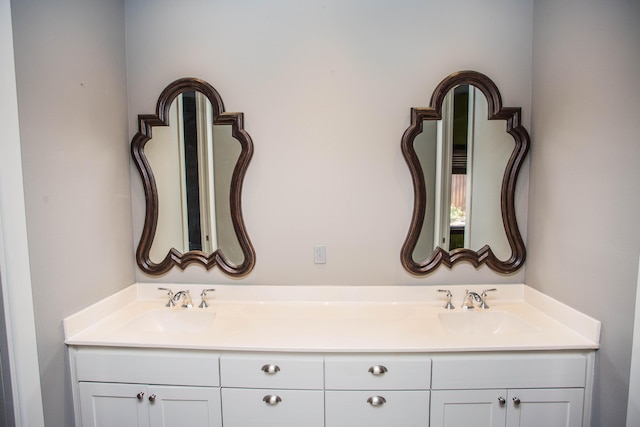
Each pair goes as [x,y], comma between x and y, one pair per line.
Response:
[287,408]
[377,408]
[163,367]
[384,372]
[272,371]
[509,371]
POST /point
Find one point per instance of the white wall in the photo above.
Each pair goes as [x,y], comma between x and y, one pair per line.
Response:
[583,241]
[326,88]
[71,81]
[18,345]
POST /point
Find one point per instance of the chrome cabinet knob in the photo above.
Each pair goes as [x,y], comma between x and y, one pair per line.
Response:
[378,370]
[516,401]
[270,369]
[140,396]
[152,398]
[271,399]
[376,401]
[501,400]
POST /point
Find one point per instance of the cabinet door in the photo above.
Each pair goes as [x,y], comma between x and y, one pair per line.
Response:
[463,408]
[377,408]
[545,407]
[281,408]
[108,405]
[173,406]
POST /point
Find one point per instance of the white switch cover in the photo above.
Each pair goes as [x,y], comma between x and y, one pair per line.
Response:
[319,254]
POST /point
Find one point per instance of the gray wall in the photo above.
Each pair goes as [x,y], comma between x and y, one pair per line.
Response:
[326,88]
[71,81]
[583,242]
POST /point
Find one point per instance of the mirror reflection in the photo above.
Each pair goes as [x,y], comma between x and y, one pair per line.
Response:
[464,152]
[192,157]
[463,157]
[193,162]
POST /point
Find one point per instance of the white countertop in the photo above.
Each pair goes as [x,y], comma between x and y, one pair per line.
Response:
[333,319]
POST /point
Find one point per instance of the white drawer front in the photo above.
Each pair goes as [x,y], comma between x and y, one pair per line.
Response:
[509,371]
[287,408]
[165,367]
[272,371]
[381,408]
[384,372]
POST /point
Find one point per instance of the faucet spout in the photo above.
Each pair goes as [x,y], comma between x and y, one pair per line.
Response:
[186,298]
[467,303]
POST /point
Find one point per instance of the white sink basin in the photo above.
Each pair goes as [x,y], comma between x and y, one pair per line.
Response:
[188,321]
[482,322]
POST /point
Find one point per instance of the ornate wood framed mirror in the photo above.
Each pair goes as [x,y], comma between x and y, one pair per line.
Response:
[192,169]
[464,152]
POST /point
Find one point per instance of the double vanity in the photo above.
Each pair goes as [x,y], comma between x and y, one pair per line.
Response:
[331,356]
[326,356]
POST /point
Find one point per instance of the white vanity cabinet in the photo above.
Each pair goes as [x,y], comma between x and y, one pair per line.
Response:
[105,404]
[127,387]
[512,390]
[272,390]
[325,356]
[152,387]
[377,391]
[138,405]
[513,408]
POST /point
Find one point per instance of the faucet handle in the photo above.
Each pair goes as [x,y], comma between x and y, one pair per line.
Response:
[483,295]
[203,295]
[170,295]
[448,305]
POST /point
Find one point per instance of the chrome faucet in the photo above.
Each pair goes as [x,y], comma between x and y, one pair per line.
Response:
[186,298]
[467,302]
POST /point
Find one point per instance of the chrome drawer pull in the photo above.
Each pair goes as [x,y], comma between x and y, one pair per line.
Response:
[516,401]
[378,370]
[140,396]
[270,369]
[152,398]
[271,399]
[501,400]
[376,401]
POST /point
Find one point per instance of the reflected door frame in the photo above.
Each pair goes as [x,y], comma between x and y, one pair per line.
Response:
[444,152]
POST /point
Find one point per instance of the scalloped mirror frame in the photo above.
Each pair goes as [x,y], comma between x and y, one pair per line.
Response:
[146,122]
[484,255]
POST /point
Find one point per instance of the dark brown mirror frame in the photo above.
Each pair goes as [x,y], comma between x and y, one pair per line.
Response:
[507,200]
[174,257]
